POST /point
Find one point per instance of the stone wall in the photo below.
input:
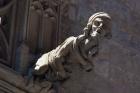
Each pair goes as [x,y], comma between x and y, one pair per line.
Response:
[116,68]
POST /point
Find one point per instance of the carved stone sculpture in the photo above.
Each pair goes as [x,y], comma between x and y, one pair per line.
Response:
[79,49]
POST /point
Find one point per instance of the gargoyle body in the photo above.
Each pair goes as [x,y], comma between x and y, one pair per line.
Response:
[80,49]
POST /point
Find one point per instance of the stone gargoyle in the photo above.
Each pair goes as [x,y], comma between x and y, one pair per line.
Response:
[80,49]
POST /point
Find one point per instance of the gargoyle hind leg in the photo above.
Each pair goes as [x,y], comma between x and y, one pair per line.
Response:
[60,71]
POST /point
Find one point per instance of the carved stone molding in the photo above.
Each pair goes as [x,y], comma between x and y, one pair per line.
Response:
[42,25]
[5,8]
[7,30]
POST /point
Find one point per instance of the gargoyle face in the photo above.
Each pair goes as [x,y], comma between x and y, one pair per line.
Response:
[102,25]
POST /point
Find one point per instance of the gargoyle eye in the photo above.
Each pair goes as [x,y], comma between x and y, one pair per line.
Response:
[97,23]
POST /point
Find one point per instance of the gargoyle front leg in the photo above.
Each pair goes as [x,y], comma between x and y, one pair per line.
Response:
[92,52]
[42,65]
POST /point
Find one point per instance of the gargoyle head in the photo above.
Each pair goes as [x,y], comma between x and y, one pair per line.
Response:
[101,23]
